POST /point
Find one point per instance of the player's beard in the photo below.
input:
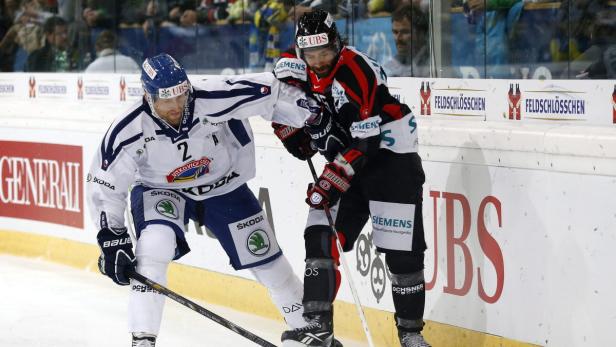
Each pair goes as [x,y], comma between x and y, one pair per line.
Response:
[323,71]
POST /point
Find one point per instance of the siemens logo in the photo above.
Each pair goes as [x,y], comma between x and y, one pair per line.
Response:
[391,222]
[365,126]
[291,65]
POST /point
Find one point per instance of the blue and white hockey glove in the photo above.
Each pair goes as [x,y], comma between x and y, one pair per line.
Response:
[291,71]
[117,255]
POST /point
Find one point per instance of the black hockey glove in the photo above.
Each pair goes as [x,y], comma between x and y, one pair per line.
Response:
[329,187]
[117,255]
[295,140]
[328,137]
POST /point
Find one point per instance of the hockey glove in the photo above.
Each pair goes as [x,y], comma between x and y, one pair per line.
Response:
[328,137]
[295,140]
[334,181]
[117,255]
[291,71]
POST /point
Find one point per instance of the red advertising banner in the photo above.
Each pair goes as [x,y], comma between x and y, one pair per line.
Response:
[41,181]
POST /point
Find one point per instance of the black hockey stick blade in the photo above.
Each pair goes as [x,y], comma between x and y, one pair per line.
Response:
[200,309]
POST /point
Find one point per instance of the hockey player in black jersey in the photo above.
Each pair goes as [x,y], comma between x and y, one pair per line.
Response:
[373,174]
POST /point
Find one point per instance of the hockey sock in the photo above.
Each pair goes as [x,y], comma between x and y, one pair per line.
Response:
[409,296]
[285,289]
[155,250]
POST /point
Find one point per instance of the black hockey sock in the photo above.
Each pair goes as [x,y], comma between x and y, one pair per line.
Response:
[409,296]
[319,284]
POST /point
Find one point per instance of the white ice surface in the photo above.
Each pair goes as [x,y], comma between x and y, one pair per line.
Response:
[50,305]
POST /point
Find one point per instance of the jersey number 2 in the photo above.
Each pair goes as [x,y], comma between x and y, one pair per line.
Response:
[184,146]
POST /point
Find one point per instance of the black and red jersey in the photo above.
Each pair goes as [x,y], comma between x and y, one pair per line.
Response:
[356,90]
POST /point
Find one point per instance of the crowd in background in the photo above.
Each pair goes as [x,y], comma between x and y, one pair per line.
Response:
[94,35]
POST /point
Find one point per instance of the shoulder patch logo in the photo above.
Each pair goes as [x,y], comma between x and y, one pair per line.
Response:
[258,242]
[167,208]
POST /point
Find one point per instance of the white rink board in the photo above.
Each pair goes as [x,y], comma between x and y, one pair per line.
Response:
[554,183]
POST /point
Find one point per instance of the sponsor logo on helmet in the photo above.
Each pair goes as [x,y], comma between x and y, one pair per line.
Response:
[329,20]
[167,208]
[172,92]
[190,171]
[149,69]
[312,40]
[258,242]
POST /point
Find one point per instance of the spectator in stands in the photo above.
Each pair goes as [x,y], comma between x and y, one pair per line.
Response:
[212,11]
[26,35]
[87,20]
[109,59]
[56,55]
[188,18]
[242,11]
[8,34]
[603,65]
[409,25]
[264,39]
[494,22]
[301,7]
[586,38]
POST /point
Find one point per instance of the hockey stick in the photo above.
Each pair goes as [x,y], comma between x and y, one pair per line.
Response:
[182,300]
[200,309]
[345,266]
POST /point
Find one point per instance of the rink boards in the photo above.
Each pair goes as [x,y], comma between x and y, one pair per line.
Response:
[518,214]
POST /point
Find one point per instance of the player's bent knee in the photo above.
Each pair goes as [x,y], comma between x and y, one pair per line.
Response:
[275,274]
[404,262]
[157,243]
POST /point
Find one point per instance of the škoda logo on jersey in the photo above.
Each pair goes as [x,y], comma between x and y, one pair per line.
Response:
[190,171]
[258,242]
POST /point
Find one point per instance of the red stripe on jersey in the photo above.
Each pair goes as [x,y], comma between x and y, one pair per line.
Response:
[352,155]
[368,91]
[350,92]
[393,110]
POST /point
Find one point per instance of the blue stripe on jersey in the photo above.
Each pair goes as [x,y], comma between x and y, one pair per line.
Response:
[109,153]
[239,131]
[255,91]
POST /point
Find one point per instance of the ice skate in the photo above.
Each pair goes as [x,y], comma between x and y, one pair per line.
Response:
[318,332]
[144,340]
[408,339]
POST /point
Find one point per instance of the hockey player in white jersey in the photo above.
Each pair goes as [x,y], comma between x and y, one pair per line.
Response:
[187,150]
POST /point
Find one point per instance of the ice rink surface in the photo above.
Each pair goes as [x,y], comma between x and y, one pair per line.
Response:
[50,305]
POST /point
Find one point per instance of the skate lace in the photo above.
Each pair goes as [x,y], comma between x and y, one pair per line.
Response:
[144,341]
[314,323]
[414,340]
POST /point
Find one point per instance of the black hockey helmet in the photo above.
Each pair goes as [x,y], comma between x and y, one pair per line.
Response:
[316,29]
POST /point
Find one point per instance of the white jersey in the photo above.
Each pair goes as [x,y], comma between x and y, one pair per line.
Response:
[211,154]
